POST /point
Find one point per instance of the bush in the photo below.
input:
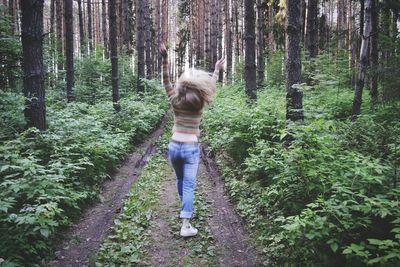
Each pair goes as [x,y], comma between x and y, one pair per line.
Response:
[329,198]
[46,177]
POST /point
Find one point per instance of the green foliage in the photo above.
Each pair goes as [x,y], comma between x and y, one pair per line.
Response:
[331,197]
[276,69]
[12,119]
[129,233]
[10,54]
[93,78]
[45,177]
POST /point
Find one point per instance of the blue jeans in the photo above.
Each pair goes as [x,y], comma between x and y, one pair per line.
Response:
[184,159]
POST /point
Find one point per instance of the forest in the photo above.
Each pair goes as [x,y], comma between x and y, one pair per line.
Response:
[300,157]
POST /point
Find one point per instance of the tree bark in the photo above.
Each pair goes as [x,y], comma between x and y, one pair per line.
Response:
[270,38]
[294,96]
[374,56]
[312,28]
[250,48]
[81,28]
[260,44]
[219,36]
[60,16]
[32,47]
[148,29]
[213,36]
[164,22]
[228,38]
[158,17]
[114,54]
[140,44]
[90,28]
[200,33]
[207,49]
[363,60]
[69,48]
[104,26]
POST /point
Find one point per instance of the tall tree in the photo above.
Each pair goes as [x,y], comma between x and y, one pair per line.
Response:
[260,44]
[32,47]
[294,97]
[69,48]
[158,18]
[114,53]
[140,43]
[312,28]
[164,23]
[374,55]
[363,60]
[90,28]
[207,42]
[148,46]
[228,38]
[200,32]
[213,34]
[81,28]
[250,48]
[104,26]
[219,36]
[59,20]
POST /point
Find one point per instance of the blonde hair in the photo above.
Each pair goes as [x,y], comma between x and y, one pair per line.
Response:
[194,89]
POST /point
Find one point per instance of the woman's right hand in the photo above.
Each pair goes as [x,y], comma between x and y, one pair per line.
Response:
[163,50]
[219,65]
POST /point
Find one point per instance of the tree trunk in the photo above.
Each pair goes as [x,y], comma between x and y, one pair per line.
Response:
[294,96]
[104,25]
[140,44]
[164,21]
[312,28]
[260,44]
[60,16]
[81,28]
[32,47]
[228,38]
[69,48]
[374,56]
[114,53]
[207,55]
[148,29]
[250,48]
[200,33]
[363,60]
[89,20]
[11,14]
[271,46]
[4,7]
[219,36]
[158,17]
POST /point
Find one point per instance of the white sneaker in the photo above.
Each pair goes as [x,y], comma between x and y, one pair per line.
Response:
[188,230]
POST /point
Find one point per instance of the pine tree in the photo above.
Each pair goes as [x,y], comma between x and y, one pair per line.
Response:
[32,47]
[294,97]
[114,53]
[250,48]
[69,48]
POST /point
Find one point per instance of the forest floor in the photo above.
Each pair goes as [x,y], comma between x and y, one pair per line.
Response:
[228,243]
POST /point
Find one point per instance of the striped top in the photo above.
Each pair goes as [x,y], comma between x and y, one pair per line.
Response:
[186,121]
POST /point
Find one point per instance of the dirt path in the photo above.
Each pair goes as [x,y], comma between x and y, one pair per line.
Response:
[231,242]
[233,245]
[82,239]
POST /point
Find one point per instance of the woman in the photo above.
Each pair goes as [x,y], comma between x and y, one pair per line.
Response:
[193,91]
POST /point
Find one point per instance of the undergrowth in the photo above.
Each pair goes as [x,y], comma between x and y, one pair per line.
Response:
[46,177]
[330,198]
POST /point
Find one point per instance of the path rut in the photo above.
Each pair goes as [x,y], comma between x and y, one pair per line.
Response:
[80,241]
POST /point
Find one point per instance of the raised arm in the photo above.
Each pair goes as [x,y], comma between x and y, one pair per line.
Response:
[167,83]
[219,65]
